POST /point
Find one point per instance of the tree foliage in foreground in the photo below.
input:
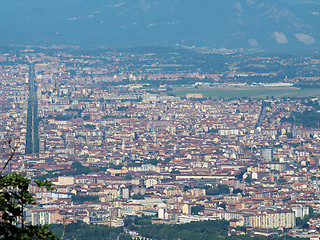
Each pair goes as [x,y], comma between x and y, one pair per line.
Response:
[14,196]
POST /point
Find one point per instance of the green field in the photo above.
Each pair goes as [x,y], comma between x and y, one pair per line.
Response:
[252,92]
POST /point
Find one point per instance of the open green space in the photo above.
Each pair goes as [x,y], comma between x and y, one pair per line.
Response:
[251,92]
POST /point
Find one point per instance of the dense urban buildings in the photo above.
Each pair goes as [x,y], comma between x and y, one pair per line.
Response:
[115,137]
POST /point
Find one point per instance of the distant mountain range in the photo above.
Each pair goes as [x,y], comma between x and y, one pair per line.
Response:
[267,24]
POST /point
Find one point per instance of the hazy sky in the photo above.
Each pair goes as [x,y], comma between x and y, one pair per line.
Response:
[122,23]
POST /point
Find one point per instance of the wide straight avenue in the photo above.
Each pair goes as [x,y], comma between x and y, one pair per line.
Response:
[32,139]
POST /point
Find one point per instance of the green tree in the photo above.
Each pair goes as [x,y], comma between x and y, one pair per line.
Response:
[236,191]
[248,179]
[14,195]
[81,230]
[196,209]
[84,198]
[175,171]
[137,196]
[220,189]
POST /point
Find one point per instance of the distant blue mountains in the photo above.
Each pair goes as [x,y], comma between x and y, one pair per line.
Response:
[266,24]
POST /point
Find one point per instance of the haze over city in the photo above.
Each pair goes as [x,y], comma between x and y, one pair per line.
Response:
[149,119]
